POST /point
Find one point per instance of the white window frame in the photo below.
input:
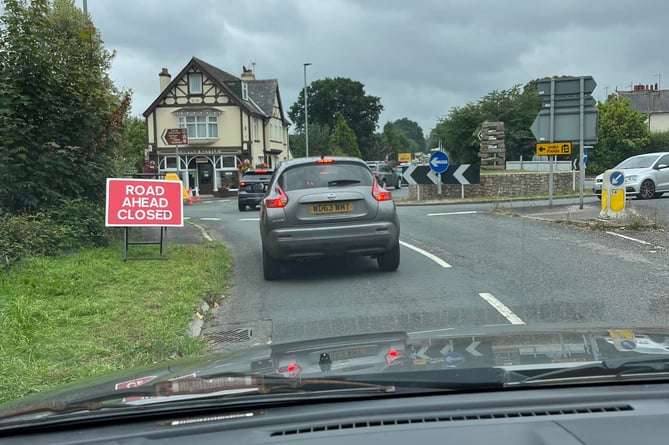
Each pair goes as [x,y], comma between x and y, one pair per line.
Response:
[200,125]
[245,90]
[192,83]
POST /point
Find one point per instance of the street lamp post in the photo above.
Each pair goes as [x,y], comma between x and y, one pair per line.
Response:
[306,117]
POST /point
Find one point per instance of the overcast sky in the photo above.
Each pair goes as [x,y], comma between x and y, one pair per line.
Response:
[420,57]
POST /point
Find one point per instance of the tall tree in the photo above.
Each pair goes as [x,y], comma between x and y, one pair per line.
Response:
[393,142]
[622,133]
[412,131]
[343,141]
[58,108]
[129,144]
[319,141]
[328,96]
[516,107]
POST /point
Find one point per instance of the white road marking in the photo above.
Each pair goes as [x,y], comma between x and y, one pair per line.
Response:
[501,308]
[249,219]
[430,331]
[210,219]
[434,258]
[468,212]
[629,238]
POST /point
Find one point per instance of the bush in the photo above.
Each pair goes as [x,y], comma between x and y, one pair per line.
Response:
[73,225]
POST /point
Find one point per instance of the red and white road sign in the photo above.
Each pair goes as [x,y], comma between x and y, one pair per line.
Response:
[143,202]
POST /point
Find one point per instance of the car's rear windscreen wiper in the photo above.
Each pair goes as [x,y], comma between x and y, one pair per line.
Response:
[608,368]
[336,182]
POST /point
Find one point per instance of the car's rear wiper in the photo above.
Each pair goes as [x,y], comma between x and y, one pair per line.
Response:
[609,368]
[336,182]
[220,387]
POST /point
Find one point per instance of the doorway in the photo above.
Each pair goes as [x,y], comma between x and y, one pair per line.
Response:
[205,176]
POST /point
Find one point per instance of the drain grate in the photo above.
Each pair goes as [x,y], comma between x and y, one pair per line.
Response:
[231,336]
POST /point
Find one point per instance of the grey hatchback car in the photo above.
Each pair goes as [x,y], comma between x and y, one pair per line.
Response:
[328,206]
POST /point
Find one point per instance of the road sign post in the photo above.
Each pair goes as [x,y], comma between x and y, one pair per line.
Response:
[176,137]
[439,164]
[613,194]
[569,113]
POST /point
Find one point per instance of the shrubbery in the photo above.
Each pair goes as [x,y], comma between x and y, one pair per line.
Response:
[73,225]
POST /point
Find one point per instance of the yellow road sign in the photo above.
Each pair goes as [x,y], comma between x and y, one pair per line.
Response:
[554,148]
[404,157]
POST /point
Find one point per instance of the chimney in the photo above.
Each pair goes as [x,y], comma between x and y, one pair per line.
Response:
[247,74]
[165,79]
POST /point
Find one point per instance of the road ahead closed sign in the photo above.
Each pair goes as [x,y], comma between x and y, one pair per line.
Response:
[143,202]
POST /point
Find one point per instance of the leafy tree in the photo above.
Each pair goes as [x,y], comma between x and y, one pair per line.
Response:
[129,145]
[658,142]
[413,133]
[328,96]
[393,141]
[516,107]
[622,133]
[59,111]
[343,141]
[319,141]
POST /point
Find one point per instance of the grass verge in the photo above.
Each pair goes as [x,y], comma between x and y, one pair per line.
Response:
[90,312]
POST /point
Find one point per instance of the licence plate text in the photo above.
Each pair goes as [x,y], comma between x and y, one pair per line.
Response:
[331,207]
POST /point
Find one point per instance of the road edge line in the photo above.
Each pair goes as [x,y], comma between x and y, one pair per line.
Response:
[501,308]
[434,258]
[630,238]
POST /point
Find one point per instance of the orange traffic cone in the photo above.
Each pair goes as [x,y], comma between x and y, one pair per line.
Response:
[189,201]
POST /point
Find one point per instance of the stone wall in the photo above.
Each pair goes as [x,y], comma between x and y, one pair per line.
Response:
[499,185]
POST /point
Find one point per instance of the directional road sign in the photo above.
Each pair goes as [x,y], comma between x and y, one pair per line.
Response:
[566,125]
[454,174]
[566,86]
[454,359]
[438,161]
[617,179]
[554,148]
[174,136]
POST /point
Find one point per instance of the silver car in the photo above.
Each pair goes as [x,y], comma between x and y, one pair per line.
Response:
[320,207]
[646,176]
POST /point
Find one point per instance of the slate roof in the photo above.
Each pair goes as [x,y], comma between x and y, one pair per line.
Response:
[261,93]
[645,101]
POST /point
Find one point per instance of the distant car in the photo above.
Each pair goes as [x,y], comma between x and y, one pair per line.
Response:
[252,188]
[385,174]
[327,207]
[646,176]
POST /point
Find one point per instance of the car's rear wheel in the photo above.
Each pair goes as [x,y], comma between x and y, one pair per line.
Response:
[647,189]
[241,206]
[271,268]
[390,261]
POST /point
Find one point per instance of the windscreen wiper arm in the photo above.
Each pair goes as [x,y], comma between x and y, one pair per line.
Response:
[220,386]
[606,368]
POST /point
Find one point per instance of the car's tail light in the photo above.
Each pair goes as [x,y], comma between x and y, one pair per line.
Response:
[292,370]
[325,161]
[242,184]
[381,194]
[262,172]
[393,355]
[278,201]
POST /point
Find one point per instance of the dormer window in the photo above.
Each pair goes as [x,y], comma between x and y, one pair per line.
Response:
[195,83]
[245,90]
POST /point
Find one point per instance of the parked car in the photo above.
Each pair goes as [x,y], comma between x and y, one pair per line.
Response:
[327,207]
[385,174]
[252,188]
[646,176]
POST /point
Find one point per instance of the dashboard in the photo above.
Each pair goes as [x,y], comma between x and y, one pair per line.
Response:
[608,414]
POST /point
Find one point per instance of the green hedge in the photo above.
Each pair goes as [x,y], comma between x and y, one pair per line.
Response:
[72,225]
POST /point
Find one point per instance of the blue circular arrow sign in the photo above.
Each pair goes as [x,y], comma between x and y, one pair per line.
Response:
[617,179]
[439,162]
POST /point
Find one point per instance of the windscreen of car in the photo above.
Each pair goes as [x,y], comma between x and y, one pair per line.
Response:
[325,175]
[638,162]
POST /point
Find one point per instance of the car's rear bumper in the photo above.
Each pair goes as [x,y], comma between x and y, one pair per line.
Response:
[369,238]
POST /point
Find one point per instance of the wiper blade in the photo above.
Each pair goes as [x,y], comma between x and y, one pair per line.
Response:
[606,368]
[227,386]
[336,182]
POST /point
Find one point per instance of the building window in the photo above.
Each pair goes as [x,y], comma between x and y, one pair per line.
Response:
[195,83]
[200,126]
[256,129]
[245,91]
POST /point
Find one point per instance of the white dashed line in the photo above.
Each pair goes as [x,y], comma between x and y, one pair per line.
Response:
[501,308]
[210,219]
[468,212]
[249,219]
[434,258]
[629,238]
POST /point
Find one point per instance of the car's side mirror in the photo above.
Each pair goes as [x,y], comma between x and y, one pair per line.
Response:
[662,166]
